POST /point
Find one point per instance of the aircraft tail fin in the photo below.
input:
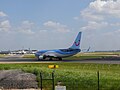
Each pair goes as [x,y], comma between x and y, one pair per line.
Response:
[76,44]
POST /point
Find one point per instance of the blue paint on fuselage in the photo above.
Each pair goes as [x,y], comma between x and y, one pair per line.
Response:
[68,51]
[64,52]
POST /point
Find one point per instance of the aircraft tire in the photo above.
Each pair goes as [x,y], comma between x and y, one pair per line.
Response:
[44,57]
[60,59]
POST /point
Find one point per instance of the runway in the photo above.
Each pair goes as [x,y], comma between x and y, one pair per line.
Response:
[19,59]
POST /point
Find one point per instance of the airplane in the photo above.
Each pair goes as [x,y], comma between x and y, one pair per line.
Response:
[60,53]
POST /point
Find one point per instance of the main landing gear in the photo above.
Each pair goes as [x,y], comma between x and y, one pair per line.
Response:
[49,58]
[60,58]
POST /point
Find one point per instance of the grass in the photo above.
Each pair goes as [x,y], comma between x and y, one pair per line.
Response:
[98,54]
[74,75]
[2,55]
[29,56]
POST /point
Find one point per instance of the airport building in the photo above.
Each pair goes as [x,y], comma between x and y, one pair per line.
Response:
[26,51]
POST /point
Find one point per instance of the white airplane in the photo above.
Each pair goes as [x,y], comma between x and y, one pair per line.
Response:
[60,53]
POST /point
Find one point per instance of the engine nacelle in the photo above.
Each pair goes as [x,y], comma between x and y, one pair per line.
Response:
[40,57]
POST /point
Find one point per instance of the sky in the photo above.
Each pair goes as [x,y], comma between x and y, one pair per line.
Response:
[53,24]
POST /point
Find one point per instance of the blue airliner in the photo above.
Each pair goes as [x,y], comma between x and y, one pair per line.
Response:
[60,53]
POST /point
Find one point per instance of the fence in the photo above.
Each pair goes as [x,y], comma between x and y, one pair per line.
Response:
[70,85]
[48,79]
[98,81]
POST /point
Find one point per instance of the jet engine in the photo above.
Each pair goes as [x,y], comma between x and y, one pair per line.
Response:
[41,57]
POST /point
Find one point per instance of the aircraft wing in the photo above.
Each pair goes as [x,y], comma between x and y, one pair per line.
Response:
[49,54]
[52,55]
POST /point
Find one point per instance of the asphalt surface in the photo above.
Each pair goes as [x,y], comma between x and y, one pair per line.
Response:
[19,59]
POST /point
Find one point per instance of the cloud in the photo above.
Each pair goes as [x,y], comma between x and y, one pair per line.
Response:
[56,26]
[2,14]
[108,7]
[115,33]
[89,15]
[26,27]
[100,10]
[100,14]
[115,24]
[5,26]
[4,23]
[92,25]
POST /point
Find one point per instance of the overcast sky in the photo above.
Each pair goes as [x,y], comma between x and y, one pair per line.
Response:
[52,24]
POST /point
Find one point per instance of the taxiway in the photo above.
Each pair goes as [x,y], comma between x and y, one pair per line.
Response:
[19,59]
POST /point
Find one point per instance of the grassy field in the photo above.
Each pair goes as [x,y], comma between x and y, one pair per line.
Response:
[75,76]
[29,56]
[2,55]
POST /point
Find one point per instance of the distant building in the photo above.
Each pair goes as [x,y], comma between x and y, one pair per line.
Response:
[5,52]
[23,51]
[33,51]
